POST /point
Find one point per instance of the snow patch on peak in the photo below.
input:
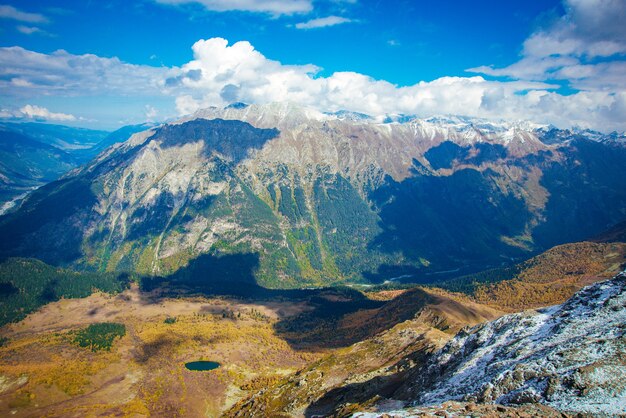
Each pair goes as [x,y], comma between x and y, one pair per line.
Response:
[281,115]
[350,116]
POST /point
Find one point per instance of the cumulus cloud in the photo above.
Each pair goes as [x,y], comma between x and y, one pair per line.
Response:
[273,7]
[41,113]
[10,12]
[323,22]
[223,73]
[585,47]
[220,73]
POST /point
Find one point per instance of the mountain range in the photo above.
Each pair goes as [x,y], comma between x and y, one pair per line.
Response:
[312,199]
[329,264]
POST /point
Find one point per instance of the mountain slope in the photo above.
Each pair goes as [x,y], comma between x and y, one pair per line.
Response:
[549,278]
[27,284]
[33,154]
[323,199]
[399,335]
[617,233]
[570,357]
[117,136]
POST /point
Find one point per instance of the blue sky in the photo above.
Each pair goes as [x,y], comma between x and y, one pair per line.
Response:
[400,41]
[108,63]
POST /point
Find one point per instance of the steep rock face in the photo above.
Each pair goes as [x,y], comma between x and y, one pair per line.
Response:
[569,357]
[320,198]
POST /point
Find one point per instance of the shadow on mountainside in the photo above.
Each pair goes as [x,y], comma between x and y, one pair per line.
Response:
[338,316]
[50,223]
[587,193]
[340,401]
[474,219]
[217,135]
[449,221]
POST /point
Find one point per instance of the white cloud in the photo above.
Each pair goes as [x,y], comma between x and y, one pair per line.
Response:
[10,12]
[29,30]
[590,28]
[585,47]
[529,68]
[274,7]
[221,73]
[38,112]
[20,82]
[62,73]
[323,22]
[187,104]
[151,113]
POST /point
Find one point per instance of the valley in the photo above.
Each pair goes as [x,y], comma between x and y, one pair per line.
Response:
[33,154]
[257,341]
[270,260]
[45,374]
[312,209]
[329,352]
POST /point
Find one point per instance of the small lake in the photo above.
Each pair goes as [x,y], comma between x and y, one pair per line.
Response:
[202,366]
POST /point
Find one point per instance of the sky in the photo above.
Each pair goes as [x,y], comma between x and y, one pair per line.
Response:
[103,64]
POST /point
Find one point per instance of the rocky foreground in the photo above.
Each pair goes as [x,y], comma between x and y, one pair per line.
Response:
[569,357]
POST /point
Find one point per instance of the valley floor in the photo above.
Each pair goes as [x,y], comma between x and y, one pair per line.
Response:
[42,373]
[322,352]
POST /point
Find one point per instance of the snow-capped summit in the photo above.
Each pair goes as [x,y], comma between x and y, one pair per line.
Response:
[551,135]
[349,115]
[281,115]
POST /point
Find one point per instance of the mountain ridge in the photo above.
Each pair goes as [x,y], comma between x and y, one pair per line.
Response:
[565,356]
[324,200]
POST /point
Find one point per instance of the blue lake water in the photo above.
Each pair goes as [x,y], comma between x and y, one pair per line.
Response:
[202,365]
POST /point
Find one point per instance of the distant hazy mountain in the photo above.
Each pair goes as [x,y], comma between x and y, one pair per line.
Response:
[69,139]
[295,197]
[33,154]
[26,164]
[83,144]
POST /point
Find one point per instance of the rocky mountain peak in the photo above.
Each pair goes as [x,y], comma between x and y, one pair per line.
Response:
[280,115]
